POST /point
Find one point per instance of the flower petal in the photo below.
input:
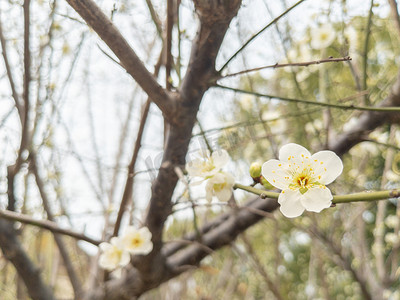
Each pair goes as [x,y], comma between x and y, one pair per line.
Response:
[125,259]
[105,246]
[224,194]
[290,150]
[291,206]
[193,167]
[276,173]
[220,158]
[145,233]
[209,190]
[327,165]
[316,199]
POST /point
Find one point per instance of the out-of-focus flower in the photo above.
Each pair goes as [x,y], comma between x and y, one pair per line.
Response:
[220,185]
[322,36]
[392,221]
[137,241]
[113,255]
[206,165]
[302,177]
[392,176]
[391,238]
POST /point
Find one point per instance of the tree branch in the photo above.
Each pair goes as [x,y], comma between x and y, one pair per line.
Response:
[102,25]
[75,282]
[45,224]
[300,64]
[30,274]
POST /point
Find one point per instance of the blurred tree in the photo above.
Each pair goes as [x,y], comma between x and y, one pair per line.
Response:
[85,124]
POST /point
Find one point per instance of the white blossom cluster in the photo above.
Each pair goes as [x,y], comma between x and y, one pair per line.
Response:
[117,253]
[208,166]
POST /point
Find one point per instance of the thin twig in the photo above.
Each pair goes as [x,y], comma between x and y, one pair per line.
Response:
[138,144]
[257,34]
[45,224]
[131,168]
[154,17]
[365,52]
[339,106]
[395,13]
[72,275]
[300,64]
[14,93]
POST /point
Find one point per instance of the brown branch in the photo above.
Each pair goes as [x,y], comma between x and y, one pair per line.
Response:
[395,13]
[258,266]
[168,61]
[75,282]
[154,17]
[14,93]
[301,64]
[127,195]
[369,121]
[344,261]
[27,80]
[102,25]
[30,273]
[45,224]
[152,269]
[258,33]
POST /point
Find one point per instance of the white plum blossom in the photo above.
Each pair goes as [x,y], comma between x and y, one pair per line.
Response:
[220,185]
[137,241]
[302,177]
[392,221]
[206,165]
[322,36]
[392,238]
[113,255]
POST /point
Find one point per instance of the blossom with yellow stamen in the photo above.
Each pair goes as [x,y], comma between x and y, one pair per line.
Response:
[137,241]
[113,255]
[302,177]
[207,165]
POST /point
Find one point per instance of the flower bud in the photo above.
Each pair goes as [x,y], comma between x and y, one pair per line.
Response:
[266,184]
[255,170]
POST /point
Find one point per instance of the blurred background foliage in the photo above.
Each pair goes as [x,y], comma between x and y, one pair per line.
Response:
[347,252]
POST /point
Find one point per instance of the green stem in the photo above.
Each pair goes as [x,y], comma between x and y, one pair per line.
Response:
[356,197]
[257,34]
[339,106]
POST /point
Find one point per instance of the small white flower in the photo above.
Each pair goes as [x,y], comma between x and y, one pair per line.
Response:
[322,36]
[220,185]
[205,165]
[302,178]
[137,241]
[392,221]
[391,238]
[113,255]
[392,176]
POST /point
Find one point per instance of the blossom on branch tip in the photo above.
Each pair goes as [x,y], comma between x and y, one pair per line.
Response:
[220,185]
[113,255]
[302,177]
[206,165]
[137,241]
